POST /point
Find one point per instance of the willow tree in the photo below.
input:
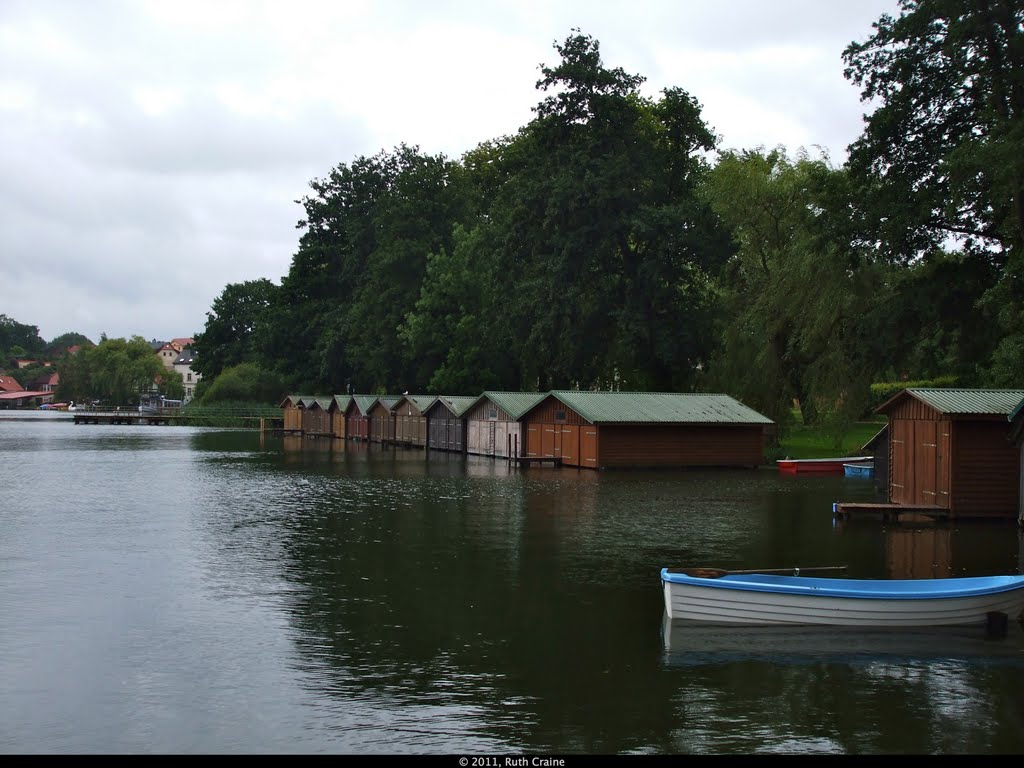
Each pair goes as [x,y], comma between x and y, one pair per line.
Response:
[795,293]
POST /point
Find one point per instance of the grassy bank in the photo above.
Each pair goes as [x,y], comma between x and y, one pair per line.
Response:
[802,442]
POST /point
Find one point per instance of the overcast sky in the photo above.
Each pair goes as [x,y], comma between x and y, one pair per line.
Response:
[151,153]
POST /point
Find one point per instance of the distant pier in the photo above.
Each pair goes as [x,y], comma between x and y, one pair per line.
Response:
[124,417]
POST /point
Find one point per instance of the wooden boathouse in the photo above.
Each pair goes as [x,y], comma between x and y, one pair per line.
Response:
[602,430]
[357,417]
[492,423]
[410,415]
[316,419]
[291,412]
[338,410]
[951,455]
[446,423]
[382,419]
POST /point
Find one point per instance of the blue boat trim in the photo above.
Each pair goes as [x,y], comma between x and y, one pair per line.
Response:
[870,589]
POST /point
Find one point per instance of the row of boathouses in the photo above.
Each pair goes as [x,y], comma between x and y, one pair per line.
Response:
[596,430]
[957,451]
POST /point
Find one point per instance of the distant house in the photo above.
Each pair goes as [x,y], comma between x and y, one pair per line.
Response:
[189,378]
[48,381]
[169,351]
[952,449]
[10,384]
[600,430]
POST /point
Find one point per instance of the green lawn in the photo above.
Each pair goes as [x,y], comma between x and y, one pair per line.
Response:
[812,443]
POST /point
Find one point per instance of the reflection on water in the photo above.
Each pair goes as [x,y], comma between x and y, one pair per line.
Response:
[191,590]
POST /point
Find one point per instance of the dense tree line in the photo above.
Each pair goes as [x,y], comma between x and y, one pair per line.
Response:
[607,245]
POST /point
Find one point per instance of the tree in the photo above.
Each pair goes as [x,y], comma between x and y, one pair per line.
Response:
[358,271]
[947,133]
[59,346]
[245,382]
[942,155]
[236,327]
[14,334]
[794,294]
[115,371]
[602,232]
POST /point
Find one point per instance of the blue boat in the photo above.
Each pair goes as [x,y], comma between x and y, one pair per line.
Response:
[859,469]
[767,598]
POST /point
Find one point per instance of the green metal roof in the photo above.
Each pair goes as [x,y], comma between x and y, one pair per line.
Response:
[1000,402]
[1016,411]
[342,402]
[293,399]
[515,404]
[364,402]
[457,404]
[659,408]
[323,402]
[389,401]
[422,402]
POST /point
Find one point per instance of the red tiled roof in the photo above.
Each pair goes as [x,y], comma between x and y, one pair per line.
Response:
[9,384]
[23,395]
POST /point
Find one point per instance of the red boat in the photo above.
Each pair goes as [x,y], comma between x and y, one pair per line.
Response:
[817,466]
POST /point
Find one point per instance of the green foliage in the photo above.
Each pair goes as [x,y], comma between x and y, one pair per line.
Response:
[603,242]
[236,327]
[245,382]
[228,414]
[794,293]
[942,157]
[19,340]
[882,391]
[59,346]
[116,371]
[944,144]
[815,442]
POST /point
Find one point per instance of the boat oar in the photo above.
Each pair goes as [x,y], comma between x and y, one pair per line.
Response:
[715,573]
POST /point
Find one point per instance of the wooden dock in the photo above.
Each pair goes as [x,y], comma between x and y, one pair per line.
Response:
[526,461]
[124,417]
[894,512]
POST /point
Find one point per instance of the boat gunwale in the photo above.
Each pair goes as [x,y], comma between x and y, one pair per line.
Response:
[864,589]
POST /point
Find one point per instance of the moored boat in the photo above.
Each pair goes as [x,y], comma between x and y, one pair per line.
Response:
[859,469]
[818,466]
[832,466]
[770,599]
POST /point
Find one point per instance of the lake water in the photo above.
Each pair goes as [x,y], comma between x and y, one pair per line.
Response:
[185,590]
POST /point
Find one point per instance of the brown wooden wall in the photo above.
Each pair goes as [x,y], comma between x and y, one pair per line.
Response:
[357,426]
[316,421]
[446,432]
[338,423]
[500,436]
[382,424]
[920,451]
[673,445]
[292,418]
[411,429]
[986,466]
